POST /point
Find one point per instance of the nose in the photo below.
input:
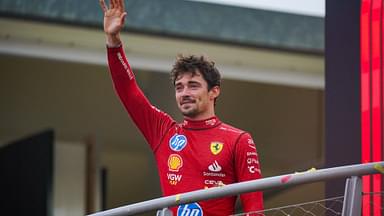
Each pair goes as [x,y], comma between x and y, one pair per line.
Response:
[185,95]
[185,92]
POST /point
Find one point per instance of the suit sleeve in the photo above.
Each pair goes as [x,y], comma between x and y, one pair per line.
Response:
[248,168]
[152,122]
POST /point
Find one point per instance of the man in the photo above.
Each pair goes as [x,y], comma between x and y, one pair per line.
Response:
[201,152]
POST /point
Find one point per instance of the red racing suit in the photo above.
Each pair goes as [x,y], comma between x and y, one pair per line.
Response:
[191,155]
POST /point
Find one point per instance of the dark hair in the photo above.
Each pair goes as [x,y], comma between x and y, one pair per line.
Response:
[194,64]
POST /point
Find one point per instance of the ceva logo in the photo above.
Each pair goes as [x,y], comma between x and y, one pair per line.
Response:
[177,142]
[192,209]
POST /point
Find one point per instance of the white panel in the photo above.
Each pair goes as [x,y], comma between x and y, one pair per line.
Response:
[153,53]
[305,7]
[69,179]
[270,76]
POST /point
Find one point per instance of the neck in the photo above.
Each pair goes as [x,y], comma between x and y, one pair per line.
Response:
[201,124]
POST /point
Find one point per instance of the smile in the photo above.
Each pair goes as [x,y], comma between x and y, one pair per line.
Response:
[187,102]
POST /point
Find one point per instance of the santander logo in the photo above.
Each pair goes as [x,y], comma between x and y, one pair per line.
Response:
[214,167]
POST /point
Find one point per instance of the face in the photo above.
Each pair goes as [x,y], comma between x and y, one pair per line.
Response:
[192,95]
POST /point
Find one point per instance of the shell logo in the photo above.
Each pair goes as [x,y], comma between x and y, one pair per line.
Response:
[175,162]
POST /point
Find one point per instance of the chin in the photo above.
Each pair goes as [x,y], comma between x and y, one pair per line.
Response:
[189,113]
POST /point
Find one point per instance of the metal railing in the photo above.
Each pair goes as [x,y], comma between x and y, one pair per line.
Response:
[352,196]
[330,206]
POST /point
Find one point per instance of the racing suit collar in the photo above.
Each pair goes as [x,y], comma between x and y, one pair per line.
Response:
[202,124]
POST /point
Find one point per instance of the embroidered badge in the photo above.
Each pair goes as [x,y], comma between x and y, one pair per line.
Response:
[216,147]
[175,162]
[177,142]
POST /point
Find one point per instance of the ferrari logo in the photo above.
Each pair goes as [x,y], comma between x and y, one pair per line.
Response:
[216,147]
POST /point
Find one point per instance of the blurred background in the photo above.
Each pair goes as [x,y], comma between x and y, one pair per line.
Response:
[60,117]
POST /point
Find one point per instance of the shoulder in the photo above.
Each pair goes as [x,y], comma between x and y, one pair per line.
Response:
[235,134]
[237,139]
[231,129]
[239,135]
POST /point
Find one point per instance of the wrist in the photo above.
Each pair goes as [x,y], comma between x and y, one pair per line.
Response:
[113,40]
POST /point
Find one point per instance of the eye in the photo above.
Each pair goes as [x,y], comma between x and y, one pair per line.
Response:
[194,85]
[178,88]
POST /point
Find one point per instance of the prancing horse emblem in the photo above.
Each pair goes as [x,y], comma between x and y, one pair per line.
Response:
[216,147]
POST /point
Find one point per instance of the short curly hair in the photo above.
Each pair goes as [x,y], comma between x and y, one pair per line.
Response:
[194,64]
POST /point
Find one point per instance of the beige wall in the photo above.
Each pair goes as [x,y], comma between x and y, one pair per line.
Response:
[286,122]
[129,177]
[77,100]
[69,179]
[287,126]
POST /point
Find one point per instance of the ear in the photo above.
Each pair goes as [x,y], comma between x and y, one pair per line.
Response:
[214,92]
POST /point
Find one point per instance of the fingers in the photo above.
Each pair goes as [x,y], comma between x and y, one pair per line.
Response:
[112,4]
[119,4]
[103,6]
[122,5]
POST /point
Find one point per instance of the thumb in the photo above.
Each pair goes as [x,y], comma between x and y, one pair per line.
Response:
[122,17]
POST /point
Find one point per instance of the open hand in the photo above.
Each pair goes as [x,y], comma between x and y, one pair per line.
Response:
[114,16]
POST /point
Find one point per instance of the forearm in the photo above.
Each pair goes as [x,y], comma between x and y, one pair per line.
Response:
[252,202]
[118,64]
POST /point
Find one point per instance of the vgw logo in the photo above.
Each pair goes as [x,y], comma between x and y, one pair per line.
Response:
[177,142]
[192,209]
[174,178]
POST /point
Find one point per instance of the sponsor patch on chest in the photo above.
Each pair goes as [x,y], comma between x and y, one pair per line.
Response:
[173,178]
[216,147]
[178,142]
[175,162]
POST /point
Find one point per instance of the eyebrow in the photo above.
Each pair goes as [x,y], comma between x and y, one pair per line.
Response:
[189,82]
[194,82]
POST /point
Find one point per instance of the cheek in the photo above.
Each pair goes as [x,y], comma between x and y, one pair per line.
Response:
[202,98]
[177,97]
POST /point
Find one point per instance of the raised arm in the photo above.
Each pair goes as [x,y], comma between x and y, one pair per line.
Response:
[152,122]
[114,17]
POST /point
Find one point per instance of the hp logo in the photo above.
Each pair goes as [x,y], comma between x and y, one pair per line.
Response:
[192,209]
[177,142]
